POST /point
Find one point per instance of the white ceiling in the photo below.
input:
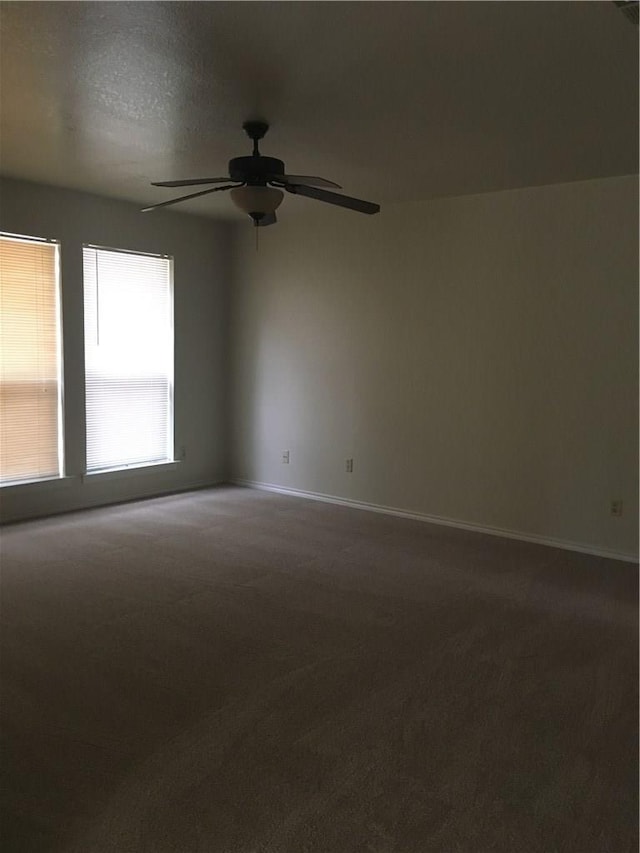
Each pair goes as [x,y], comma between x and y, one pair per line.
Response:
[395,101]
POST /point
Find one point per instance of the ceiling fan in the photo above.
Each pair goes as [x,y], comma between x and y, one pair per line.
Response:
[257,183]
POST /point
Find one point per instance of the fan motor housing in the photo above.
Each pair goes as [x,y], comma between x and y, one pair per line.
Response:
[255,170]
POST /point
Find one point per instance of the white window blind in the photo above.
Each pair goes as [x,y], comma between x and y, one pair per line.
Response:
[128,317]
[30,375]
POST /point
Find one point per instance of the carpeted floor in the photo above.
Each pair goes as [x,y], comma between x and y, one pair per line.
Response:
[232,671]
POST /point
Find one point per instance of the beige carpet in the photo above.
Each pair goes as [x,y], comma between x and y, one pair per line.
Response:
[242,672]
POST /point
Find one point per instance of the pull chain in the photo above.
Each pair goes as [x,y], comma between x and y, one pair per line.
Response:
[256,229]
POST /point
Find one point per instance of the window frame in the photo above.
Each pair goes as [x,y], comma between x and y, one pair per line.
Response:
[59,351]
[149,466]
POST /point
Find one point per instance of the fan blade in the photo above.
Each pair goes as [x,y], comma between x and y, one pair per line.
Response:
[306,180]
[193,183]
[334,198]
[267,219]
[185,197]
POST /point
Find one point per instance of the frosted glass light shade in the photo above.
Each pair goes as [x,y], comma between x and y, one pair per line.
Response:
[257,199]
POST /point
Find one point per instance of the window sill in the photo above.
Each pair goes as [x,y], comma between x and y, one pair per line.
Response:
[44,483]
[130,471]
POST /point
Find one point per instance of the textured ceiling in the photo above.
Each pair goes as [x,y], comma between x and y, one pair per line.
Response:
[395,101]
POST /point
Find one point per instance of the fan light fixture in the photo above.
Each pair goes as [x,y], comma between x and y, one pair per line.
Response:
[257,201]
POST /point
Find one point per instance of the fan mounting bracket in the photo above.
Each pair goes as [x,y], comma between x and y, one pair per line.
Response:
[255,129]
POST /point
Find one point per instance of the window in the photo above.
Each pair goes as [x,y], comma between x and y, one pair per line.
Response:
[30,360]
[128,318]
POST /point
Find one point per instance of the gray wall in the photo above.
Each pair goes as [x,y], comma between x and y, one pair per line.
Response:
[476,356]
[201,252]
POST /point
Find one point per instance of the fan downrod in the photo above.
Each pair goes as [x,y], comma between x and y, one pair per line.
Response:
[255,130]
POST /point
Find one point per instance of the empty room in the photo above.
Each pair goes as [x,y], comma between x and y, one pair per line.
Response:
[319,427]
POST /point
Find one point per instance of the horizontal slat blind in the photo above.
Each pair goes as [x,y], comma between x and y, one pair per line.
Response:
[30,412]
[128,315]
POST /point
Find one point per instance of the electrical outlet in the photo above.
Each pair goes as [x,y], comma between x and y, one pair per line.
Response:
[349,466]
[616,508]
[285,457]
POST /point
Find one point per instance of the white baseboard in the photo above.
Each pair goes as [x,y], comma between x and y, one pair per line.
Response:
[436,519]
